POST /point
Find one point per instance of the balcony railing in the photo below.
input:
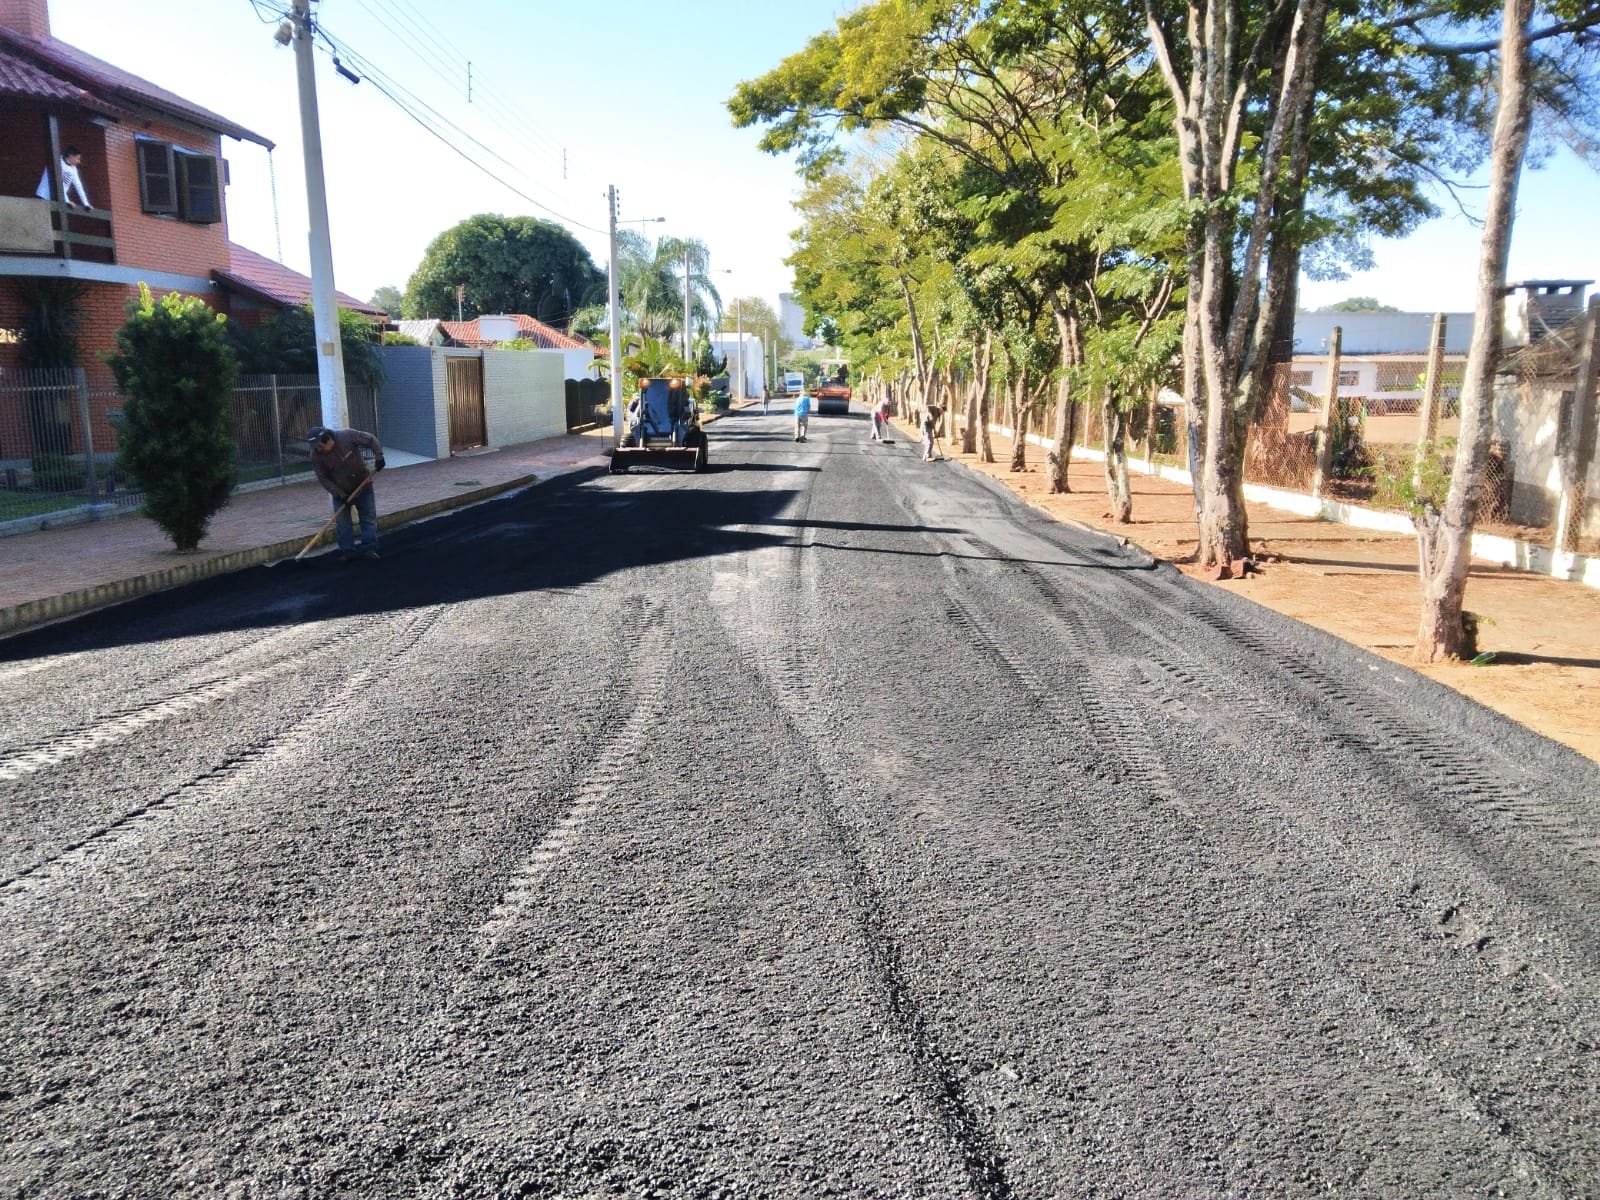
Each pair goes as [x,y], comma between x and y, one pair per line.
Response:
[32,226]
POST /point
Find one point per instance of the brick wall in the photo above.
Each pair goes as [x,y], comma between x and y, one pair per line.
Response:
[31,17]
[160,243]
[103,311]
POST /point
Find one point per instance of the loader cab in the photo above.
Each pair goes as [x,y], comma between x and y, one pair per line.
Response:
[662,429]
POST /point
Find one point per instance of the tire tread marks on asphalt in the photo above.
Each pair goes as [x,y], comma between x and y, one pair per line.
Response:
[1094,645]
[652,676]
[132,824]
[791,673]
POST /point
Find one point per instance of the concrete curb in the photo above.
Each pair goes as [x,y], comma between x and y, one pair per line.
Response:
[16,618]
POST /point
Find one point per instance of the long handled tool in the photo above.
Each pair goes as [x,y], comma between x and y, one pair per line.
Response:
[337,513]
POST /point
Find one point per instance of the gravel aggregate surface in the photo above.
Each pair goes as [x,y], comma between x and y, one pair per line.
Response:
[828,824]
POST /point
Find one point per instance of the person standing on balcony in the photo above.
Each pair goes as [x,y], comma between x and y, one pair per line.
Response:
[70,179]
[336,458]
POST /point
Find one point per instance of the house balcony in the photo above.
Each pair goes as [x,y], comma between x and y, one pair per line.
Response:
[53,229]
[38,133]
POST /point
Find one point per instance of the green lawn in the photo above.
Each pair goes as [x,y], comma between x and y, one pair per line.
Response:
[14,505]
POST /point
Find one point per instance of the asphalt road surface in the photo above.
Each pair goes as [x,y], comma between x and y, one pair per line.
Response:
[823,825]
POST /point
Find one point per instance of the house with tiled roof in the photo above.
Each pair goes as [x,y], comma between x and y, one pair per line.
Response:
[487,332]
[152,171]
[152,206]
[255,282]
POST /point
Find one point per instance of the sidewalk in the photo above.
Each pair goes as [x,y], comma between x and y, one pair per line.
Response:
[54,573]
[1361,586]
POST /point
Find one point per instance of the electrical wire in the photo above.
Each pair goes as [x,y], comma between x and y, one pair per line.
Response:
[410,104]
[382,82]
[424,43]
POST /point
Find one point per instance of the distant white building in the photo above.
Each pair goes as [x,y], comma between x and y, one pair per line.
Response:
[1364,333]
[792,319]
[752,352]
[1534,307]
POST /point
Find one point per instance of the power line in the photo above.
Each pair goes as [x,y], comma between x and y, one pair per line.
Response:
[416,40]
[383,84]
[389,87]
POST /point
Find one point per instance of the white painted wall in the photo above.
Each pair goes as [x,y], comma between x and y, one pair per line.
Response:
[524,395]
[755,365]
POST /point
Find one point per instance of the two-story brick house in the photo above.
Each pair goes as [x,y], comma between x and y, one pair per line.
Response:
[154,172]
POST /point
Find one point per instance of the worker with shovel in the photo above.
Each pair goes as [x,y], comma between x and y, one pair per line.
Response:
[336,458]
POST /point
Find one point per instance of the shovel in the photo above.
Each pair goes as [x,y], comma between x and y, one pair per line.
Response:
[337,513]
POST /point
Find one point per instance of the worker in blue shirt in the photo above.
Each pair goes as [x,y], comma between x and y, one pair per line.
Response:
[802,410]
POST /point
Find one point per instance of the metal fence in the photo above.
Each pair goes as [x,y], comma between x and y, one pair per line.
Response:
[588,403]
[58,437]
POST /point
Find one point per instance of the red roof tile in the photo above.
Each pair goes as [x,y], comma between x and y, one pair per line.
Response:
[546,337]
[112,84]
[19,77]
[261,276]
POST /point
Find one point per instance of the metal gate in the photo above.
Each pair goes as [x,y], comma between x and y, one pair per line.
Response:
[464,390]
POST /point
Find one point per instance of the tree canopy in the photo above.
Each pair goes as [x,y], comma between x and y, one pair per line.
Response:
[505,265]
[390,299]
[1061,180]
[1358,304]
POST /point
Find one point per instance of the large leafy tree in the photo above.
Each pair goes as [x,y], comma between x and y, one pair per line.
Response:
[505,265]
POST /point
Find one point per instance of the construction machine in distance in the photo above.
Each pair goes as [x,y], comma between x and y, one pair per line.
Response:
[833,394]
[662,429]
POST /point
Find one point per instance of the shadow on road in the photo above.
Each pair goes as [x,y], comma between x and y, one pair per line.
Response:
[569,532]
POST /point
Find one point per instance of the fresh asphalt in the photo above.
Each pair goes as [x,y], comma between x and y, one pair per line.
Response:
[825,824]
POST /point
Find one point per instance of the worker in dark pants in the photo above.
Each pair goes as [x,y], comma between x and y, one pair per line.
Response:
[336,458]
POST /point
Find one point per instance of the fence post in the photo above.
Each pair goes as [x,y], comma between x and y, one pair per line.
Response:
[1432,383]
[1325,418]
[1579,425]
[277,428]
[90,481]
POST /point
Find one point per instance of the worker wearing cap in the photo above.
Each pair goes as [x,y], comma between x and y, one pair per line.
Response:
[336,458]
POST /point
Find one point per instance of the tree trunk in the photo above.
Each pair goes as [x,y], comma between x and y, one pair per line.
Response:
[1019,423]
[977,438]
[1222,371]
[1444,537]
[1066,407]
[1118,489]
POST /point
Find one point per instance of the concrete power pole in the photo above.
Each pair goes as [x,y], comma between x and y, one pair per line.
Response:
[324,308]
[616,323]
[686,303]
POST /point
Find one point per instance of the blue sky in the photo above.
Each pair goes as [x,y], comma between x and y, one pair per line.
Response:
[659,130]
[554,126]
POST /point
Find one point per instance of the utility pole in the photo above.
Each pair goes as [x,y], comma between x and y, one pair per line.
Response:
[686,301]
[616,323]
[738,324]
[324,308]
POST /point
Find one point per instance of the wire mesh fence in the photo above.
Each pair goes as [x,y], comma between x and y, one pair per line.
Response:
[58,437]
[1381,426]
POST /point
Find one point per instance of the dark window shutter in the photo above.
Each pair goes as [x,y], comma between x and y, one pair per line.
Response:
[199,199]
[158,185]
